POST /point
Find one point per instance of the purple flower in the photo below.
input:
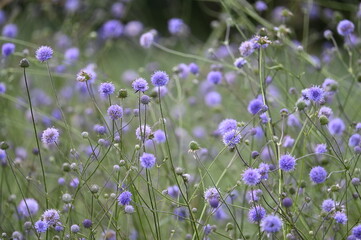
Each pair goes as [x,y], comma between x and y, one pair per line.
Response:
[51,217]
[193,68]
[321,148]
[28,207]
[328,205]
[345,27]
[50,136]
[251,177]
[10,30]
[2,88]
[74,228]
[106,89]
[293,121]
[288,142]
[140,85]
[173,191]
[125,198]
[336,126]
[318,174]
[260,6]
[115,112]
[71,55]
[231,138]
[133,28]
[176,26]
[255,106]
[87,223]
[354,140]
[227,125]
[340,217]
[147,160]
[271,224]
[254,195]
[325,111]
[356,231]
[74,182]
[315,94]
[159,78]
[287,202]
[214,77]
[256,214]
[180,213]
[159,136]
[263,169]
[72,5]
[146,39]
[287,163]
[117,9]
[246,48]
[240,62]
[41,226]
[213,99]
[139,132]
[112,29]
[44,53]
[212,196]
[7,49]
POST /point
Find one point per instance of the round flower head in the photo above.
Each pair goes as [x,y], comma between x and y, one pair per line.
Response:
[336,126]
[287,163]
[129,209]
[112,29]
[74,183]
[211,195]
[354,140]
[147,160]
[260,6]
[251,177]
[246,48]
[106,89]
[51,217]
[50,136]
[193,68]
[321,148]
[231,138]
[87,223]
[44,53]
[214,77]
[125,198]
[133,28]
[74,228]
[182,71]
[146,39]
[71,55]
[271,224]
[240,62]
[328,205]
[356,231]
[255,106]
[325,111]
[330,85]
[159,136]
[28,207]
[263,169]
[176,26]
[345,27]
[139,132]
[213,99]
[227,125]
[180,213]
[99,129]
[115,112]
[10,31]
[256,214]
[173,191]
[340,217]
[159,78]
[140,85]
[315,94]
[318,174]
[7,49]
[41,226]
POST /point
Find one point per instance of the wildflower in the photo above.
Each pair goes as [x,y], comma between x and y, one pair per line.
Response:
[182,70]
[106,89]
[340,217]
[176,26]
[112,29]
[213,99]
[159,78]
[173,191]
[99,129]
[159,136]
[251,176]
[50,136]
[256,214]
[263,169]
[325,111]
[10,30]
[231,138]
[345,27]
[87,223]
[7,49]
[51,217]
[288,142]
[212,197]
[214,77]
[2,88]
[125,198]
[139,132]
[227,125]
[255,106]
[328,205]
[356,231]
[44,53]
[74,228]
[320,148]
[115,112]
[271,224]
[180,213]
[318,174]
[287,163]
[146,39]
[246,48]
[129,209]
[71,55]
[140,84]
[315,94]
[133,28]
[147,160]
[40,226]
[193,68]
[260,6]
[287,202]
[28,207]
[83,76]
[354,140]
[240,62]
[74,182]
[336,126]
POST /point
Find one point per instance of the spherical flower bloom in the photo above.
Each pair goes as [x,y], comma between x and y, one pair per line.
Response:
[106,89]
[193,68]
[340,217]
[159,78]
[214,77]
[147,160]
[227,125]
[318,174]
[293,121]
[182,70]
[129,209]
[112,29]
[231,138]
[354,140]
[336,126]
[28,207]
[325,111]
[10,31]
[71,55]
[260,6]
[254,195]
[256,214]
[41,226]
[2,88]
[287,202]
[173,191]
[180,213]
[44,53]
[251,177]
[356,231]
[99,129]
[345,27]
[58,228]
[271,224]
[287,163]
[159,136]
[315,94]
[246,48]
[72,6]
[263,169]
[74,228]
[328,205]
[50,136]
[51,217]
[211,195]
[125,198]
[133,28]
[320,148]
[213,99]
[115,112]
[87,223]
[139,132]
[330,85]
[255,106]
[140,84]
[240,62]
[146,39]
[7,49]
[176,26]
